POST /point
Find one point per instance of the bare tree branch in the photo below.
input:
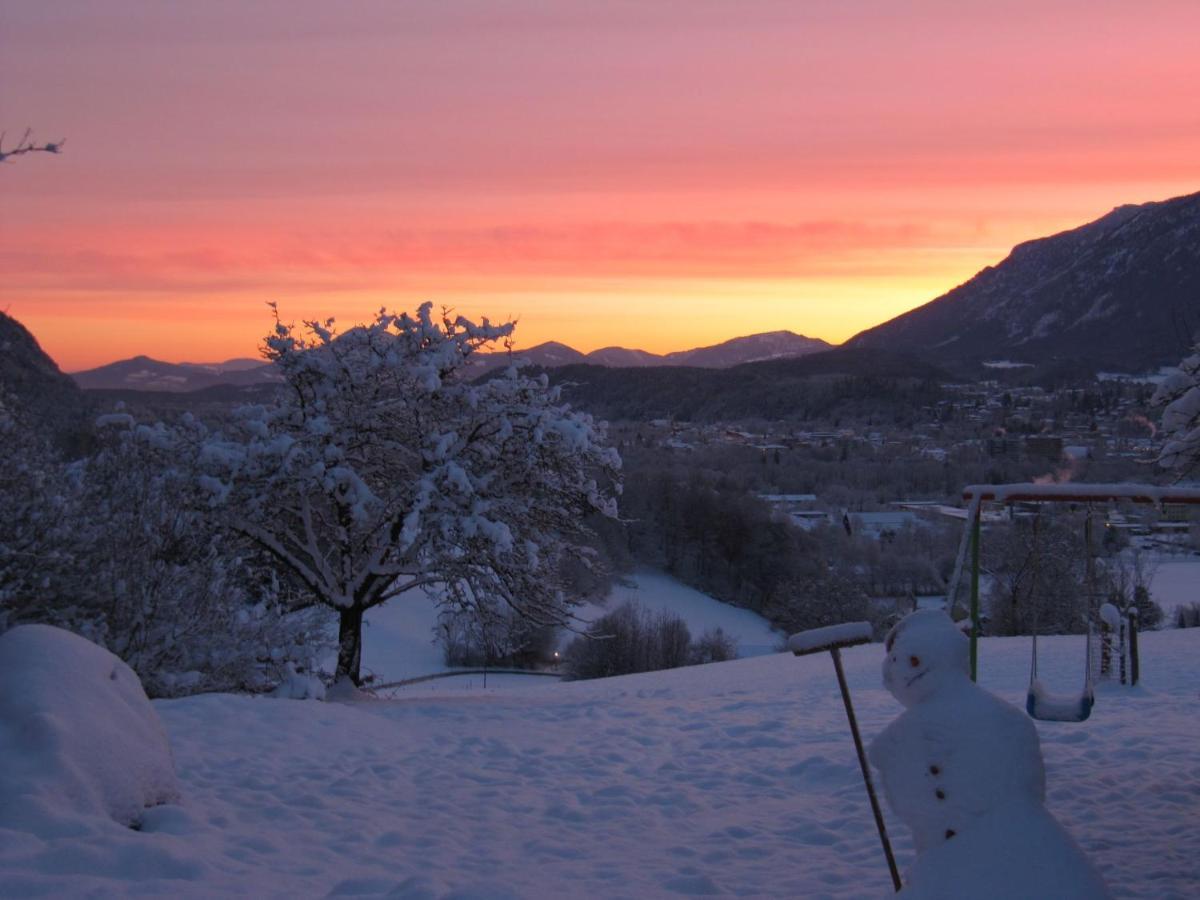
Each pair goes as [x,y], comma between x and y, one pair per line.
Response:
[27,145]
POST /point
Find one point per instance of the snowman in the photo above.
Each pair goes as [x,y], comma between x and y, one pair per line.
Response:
[963,770]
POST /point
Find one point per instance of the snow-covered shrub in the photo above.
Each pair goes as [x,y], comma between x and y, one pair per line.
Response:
[1187,615]
[381,468]
[1127,578]
[820,599]
[714,645]
[1179,395]
[299,686]
[77,734]
[111,547]
[33,515]
[627,640]
[491,634]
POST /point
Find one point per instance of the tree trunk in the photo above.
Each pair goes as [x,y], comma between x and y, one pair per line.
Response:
[350,644]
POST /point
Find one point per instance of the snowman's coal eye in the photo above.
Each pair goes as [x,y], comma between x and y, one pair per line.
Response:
[914,661]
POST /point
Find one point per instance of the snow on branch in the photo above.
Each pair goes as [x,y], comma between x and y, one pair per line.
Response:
[381,466]
[1179,396]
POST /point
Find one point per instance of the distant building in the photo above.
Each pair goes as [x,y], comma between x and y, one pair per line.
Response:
[809,519]
[788,499]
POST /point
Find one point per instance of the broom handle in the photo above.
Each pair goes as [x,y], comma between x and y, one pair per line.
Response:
[866,773]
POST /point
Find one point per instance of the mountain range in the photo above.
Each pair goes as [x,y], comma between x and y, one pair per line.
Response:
[146,374]
[142,373]
[1120,293]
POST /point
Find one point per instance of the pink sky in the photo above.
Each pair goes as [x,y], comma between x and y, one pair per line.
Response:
[651,174]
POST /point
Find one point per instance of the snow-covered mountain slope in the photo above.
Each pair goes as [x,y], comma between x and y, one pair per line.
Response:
[1119,292]
[736,778]
[33,389]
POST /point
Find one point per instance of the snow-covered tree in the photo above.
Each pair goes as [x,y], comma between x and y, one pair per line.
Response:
[111,547]
[32,512]
[382,468]
[1179,395]
[1037,574]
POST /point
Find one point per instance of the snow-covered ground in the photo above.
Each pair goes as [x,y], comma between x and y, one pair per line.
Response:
[1175,583]
[398,640]
[657,591]
[735,778]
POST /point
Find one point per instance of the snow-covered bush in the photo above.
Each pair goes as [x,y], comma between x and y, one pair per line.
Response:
[32,513]
[111,548]
[77,734]
[1179,395]
[381,468]
[627,640]
[823,598]
[1127,578]
[299,686]
[1187,615]
[714,645]
[491,634]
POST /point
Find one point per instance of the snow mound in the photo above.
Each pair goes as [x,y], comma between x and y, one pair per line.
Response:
[298,686]
[77,733]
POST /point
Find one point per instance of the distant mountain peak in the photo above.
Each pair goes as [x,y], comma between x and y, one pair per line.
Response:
[750,348]
[1122,291]
[143,373]
[148,374]
[734,352]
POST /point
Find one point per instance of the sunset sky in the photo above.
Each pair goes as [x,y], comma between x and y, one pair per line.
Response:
[651,174]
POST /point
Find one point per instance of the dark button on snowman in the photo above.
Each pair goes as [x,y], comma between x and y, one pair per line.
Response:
[963,770]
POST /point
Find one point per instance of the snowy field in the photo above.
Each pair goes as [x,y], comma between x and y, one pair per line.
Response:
[659,592]
[734,779]
[1175,583]
[398,637]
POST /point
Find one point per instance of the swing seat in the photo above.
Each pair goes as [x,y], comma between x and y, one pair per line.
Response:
[1047,707]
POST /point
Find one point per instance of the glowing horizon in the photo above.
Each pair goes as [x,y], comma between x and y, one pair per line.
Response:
[656,176]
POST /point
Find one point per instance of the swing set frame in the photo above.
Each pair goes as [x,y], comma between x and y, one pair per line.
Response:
[976,495]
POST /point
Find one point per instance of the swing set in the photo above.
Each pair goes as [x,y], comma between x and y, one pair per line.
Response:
[1040,703]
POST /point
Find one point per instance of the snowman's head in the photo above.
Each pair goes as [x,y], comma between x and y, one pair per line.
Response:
[925,653]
